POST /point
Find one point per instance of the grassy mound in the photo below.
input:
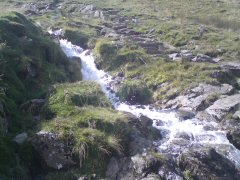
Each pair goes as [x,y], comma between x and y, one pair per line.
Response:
[135,92]
[80,114]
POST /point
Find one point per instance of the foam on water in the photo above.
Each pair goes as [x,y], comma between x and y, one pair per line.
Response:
[165,121]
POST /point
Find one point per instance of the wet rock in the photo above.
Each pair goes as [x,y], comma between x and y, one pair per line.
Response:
[138,143]
[234,137]
[53,152]
[135,167]
[159,123]
[204,163]
[209,128]
[145,121]
[223,106]
[20,138]
[184,135]
[184,114]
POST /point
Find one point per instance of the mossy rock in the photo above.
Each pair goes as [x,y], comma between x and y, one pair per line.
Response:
[135,92]
[77,37]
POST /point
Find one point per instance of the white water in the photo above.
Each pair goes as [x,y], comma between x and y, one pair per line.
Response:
[165,121]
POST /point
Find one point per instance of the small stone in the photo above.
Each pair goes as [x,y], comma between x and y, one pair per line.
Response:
[20,138]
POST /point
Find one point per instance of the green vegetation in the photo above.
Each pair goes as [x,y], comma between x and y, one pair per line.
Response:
[135,92]
[146,74]
[30,63]
[81,114]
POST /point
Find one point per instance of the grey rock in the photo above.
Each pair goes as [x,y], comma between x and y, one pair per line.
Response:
[20,138]
[184,135]
[200,98]
[175,57]
[223,106]
[134,167]
[206,163]
[233,67]
[145,121]
[53,151]
[184,114]
[203,58]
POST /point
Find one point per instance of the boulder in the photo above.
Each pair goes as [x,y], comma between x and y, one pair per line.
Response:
[200,97]
[223,106]
[53,152]
[204,163]
[20,138]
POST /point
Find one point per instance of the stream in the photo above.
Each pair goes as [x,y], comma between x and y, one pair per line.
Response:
[178,135]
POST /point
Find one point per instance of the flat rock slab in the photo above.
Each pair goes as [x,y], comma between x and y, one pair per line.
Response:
[223,106]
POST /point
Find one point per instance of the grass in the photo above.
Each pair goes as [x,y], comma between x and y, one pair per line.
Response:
[81,114]
[159,75]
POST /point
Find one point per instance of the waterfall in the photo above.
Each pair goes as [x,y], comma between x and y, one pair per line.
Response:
[177,135]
